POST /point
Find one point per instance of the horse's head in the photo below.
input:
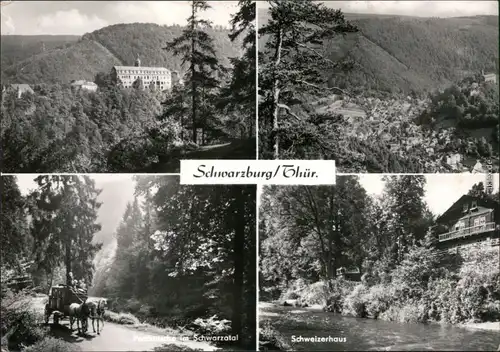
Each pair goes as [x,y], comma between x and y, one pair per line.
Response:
[92,308]
[103,304]
[86,309]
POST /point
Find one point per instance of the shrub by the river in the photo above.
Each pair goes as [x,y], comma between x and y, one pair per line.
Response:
[422,288]
[315,293]
[355,302]
[413,312]
[378,299]
[271,339]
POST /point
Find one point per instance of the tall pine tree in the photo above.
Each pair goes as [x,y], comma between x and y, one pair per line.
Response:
[293,69]
[239,96]
[64,214]
[196,48]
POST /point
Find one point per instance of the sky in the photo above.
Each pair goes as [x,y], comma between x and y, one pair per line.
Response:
[80,17]
[441,190]
[414,8]
[26,182]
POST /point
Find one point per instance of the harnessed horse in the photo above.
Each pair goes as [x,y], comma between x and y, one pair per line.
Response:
[80,312]
[97,313]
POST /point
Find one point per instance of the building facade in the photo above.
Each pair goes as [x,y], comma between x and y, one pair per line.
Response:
[21,89]
[81,84]
[470,221]
[156,78]
[490,77]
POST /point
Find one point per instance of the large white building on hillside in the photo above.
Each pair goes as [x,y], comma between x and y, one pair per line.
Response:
[157,78]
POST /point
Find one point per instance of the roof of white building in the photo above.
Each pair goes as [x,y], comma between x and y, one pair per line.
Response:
[83,82]
[22,86]
[141,68]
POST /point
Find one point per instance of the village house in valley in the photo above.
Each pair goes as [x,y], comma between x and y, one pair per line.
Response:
[490,77]
[471,222]
[20,89]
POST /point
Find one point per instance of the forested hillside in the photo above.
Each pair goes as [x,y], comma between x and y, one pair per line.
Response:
[99,51]
[16,48]
[404,54]
[58,129]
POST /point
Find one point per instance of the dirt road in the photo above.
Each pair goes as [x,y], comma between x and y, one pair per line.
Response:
[116,337]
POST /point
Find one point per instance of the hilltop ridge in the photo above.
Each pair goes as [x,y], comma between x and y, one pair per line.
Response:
[404,54]
[83,57]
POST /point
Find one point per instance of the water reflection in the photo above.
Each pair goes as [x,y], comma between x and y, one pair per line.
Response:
[374,335]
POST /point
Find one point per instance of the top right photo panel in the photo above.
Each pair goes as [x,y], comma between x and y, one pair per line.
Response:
[380,86]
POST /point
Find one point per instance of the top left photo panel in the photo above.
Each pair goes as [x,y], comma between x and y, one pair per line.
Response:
[126,87]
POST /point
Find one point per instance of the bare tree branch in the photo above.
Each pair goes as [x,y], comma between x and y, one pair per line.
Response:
[323,88]
[289,111]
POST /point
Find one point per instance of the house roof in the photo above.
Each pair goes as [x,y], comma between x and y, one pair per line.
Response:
[83,82]
[22,86]
[455,211]
[141,68]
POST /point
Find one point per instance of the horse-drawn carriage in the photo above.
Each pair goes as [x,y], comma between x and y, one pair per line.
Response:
[67,301]
[60,299]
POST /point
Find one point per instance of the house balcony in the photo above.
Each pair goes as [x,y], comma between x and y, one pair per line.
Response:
[474,230]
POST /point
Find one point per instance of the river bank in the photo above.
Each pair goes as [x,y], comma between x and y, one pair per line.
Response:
[303,328]
[489,326]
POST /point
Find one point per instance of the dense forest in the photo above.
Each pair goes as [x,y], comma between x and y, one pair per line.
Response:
[185,256]
[402,54]
[193,258]
[307,234]
[60,129]
[471,104]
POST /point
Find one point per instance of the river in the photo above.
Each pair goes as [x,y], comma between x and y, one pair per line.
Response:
[369,334]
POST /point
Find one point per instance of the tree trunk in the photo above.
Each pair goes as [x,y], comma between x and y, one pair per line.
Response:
[193,82]
[67,259]
[276,93]
[251,280]
[239,260]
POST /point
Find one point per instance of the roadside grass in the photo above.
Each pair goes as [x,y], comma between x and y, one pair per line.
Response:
[53,345]
[121,318]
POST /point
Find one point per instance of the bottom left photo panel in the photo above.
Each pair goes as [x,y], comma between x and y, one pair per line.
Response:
[126,263]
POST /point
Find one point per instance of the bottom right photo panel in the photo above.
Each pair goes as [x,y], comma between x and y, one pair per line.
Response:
[381,262]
